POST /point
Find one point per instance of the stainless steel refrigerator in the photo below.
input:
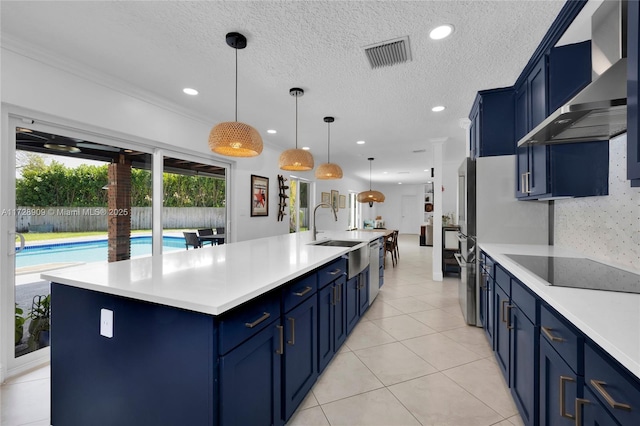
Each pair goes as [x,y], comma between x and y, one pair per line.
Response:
[488,212]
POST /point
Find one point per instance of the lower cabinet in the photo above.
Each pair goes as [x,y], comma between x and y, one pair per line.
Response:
[556,374]
[332,320]
[487,295]
[300,358]
[250,376]
[357,298]
[559,386]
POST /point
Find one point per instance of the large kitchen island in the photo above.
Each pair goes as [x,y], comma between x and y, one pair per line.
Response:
[229,334]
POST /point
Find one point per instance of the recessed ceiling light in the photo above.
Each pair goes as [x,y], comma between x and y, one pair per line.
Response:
[441,32]
[384,173]
[425,170]
[360,142]
[190,91]
[429,181]
[306,148]
[399,183]
[437,108]
[273,132]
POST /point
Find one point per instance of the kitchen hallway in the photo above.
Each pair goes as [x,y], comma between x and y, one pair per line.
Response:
[410,361]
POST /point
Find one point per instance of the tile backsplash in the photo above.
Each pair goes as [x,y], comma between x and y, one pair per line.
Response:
[608,227]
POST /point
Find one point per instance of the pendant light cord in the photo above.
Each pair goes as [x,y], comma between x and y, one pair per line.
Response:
[328,142]
[296,121]
[369,175]
[236,84]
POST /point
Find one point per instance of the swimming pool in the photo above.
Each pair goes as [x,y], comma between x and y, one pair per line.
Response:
[88,251]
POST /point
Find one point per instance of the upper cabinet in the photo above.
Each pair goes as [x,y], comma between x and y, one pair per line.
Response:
[554,171]
[633,73]
[492,124]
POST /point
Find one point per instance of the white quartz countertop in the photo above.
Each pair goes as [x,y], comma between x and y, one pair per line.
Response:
[212,279]
[611,319]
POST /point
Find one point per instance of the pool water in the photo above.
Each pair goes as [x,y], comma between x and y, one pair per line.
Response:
[88,251]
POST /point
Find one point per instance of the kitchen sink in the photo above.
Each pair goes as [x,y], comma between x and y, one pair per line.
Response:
[357,258]
[338,243]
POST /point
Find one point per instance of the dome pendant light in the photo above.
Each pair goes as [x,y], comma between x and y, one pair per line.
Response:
[328,170]
[296,159]
[370,196]
[233,138]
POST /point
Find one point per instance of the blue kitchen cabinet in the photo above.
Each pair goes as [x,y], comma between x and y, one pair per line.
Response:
[633,93]
[523,350]
[531,110]
[356,298]
[502,335]
[569,72]
[553,171]
[250,380]
[594,413]
[561,368]
[300,358]
[559,385]
[487,295]
[381,262]
[332,325]
[609,385]
[492,123]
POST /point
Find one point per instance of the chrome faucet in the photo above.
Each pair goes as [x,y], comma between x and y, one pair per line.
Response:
[335,215]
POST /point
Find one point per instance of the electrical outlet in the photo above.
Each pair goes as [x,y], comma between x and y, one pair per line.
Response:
[106,323]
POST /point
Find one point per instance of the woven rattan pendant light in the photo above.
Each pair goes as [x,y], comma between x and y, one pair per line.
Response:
[296,159]
[328,170]
[370,196]
[233,138]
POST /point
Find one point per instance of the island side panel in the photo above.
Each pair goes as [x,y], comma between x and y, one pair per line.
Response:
[158,368]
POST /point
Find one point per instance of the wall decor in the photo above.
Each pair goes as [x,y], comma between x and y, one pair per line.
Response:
[343,201]
[282,194]
[326,198]
[335,199]
[259,196]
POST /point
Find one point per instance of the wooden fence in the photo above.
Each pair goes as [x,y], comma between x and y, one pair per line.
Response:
[80,219]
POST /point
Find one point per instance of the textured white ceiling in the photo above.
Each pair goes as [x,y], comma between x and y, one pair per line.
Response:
[163,46]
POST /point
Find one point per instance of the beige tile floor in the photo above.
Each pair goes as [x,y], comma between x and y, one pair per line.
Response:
[410,361]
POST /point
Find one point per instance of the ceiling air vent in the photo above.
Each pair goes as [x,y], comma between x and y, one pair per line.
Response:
[388,53]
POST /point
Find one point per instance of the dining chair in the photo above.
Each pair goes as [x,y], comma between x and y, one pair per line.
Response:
[191,239]
[203,233]
[390,246]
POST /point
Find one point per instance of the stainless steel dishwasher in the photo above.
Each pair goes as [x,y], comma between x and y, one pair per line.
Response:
[374,266]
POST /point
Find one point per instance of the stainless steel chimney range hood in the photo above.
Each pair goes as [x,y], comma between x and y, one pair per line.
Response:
[599,111]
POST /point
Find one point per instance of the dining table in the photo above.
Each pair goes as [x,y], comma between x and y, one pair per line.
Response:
[214,239]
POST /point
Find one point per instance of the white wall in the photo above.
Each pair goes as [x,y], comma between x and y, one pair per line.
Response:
[606,227]
[75,100]
[324,217]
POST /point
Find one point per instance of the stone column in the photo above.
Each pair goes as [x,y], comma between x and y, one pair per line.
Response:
[119,210]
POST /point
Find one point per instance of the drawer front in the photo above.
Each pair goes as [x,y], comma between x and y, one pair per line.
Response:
[524,299]
[487,265]
[331,272]
[503,279]
[247,320]
[299,291]
[612,384]
[562,337]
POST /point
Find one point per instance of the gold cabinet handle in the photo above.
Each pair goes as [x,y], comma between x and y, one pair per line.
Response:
[578,408]
[509,325]
[335,272]
[306,290]
[502,317]
[292,341]
[547,332]
[258,321]
[333,296]
[599,385]
[339,293]
[528,175]
[563,413]
[280,349]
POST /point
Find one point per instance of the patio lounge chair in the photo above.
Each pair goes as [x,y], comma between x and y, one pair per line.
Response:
[191,239]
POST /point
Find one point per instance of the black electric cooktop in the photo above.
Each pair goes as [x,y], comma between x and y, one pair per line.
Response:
[579,273]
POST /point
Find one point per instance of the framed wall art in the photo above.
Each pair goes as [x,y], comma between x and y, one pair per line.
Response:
[259,196]
[326,198]
[343,201]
